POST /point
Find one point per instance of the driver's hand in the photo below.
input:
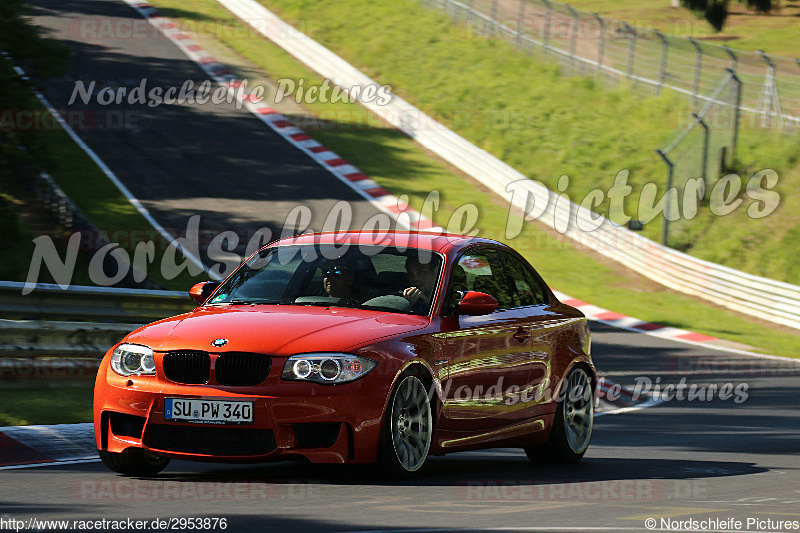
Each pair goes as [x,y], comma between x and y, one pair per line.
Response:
[414,295]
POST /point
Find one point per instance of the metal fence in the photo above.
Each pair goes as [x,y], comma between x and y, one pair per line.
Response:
[701,152]
[587,42]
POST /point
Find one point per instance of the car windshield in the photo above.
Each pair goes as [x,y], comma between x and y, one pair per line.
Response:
[364,276]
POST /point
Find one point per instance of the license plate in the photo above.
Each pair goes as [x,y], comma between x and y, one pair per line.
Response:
[208,411]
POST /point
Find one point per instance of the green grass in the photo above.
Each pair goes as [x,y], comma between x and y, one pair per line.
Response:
[57,404]
[775,33]
[568,125]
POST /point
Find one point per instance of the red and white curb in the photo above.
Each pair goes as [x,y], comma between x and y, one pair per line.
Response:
[637,325]
[30,446]
[619,320]
[614,399]
[348,174]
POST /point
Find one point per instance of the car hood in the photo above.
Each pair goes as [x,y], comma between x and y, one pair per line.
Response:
[275,330]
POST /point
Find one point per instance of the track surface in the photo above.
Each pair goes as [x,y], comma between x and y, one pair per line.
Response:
[678,460]
[180,160]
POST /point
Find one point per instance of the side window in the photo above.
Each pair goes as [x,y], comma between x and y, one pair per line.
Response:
[482,271]
[527,285]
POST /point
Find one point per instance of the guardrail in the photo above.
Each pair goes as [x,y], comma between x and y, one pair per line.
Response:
[105,304]
[49,321]
[37,338]
[760,297]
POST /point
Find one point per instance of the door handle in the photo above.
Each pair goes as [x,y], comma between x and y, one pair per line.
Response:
[521,335]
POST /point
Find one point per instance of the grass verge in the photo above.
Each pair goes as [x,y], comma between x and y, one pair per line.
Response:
[564,133]
[56,404]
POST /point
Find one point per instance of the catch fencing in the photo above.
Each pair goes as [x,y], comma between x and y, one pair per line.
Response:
[720,81]
[587,42]
[701,152]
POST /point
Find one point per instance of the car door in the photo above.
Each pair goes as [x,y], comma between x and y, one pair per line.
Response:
[531,299]
[486,358]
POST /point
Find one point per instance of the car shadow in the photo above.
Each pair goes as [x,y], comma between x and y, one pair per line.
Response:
[481,468]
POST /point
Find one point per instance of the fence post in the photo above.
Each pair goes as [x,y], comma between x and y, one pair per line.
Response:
[601,40]
[547,18]
[706,135]
[456,14]
[697,67]
[769,99]
[734,58]
[574,32]
[520,23]
[662,72]
[631,48]
[737,112]
[494,24]
[670,169]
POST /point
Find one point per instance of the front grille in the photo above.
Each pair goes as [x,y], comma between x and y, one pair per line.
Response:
[209,440]
[242,369]
[187,367]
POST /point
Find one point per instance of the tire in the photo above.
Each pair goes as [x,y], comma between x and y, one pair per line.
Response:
[573,422]
[134,462]
[407,429]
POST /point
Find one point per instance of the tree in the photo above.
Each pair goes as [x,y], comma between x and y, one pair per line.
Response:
[716,11]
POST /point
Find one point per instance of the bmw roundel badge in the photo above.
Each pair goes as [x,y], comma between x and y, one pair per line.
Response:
[219,343]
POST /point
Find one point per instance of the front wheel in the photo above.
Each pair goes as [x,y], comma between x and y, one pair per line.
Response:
[407,429]
[134,462]
[573,422]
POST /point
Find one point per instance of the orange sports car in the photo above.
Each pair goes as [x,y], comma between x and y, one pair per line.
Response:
[354,348]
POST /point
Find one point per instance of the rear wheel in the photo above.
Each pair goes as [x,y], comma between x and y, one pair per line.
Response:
[572,426]
[134,462]
[407,429]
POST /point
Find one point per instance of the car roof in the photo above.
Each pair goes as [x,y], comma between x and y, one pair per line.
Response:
[437,242]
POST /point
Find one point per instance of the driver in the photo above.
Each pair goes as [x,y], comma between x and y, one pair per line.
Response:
[338,281]
[422,277]
[341,278]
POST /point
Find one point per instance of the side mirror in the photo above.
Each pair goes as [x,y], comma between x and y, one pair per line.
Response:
[477,303]
[200,292]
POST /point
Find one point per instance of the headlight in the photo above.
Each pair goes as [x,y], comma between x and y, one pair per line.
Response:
[133,359]
[327,368]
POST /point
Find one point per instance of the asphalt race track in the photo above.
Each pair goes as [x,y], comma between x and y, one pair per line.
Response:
[212,160]
[731,455]
[678,460]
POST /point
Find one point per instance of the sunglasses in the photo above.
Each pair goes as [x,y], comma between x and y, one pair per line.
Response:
[333,273]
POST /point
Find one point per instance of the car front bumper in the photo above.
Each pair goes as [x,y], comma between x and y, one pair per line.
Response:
[323,424]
